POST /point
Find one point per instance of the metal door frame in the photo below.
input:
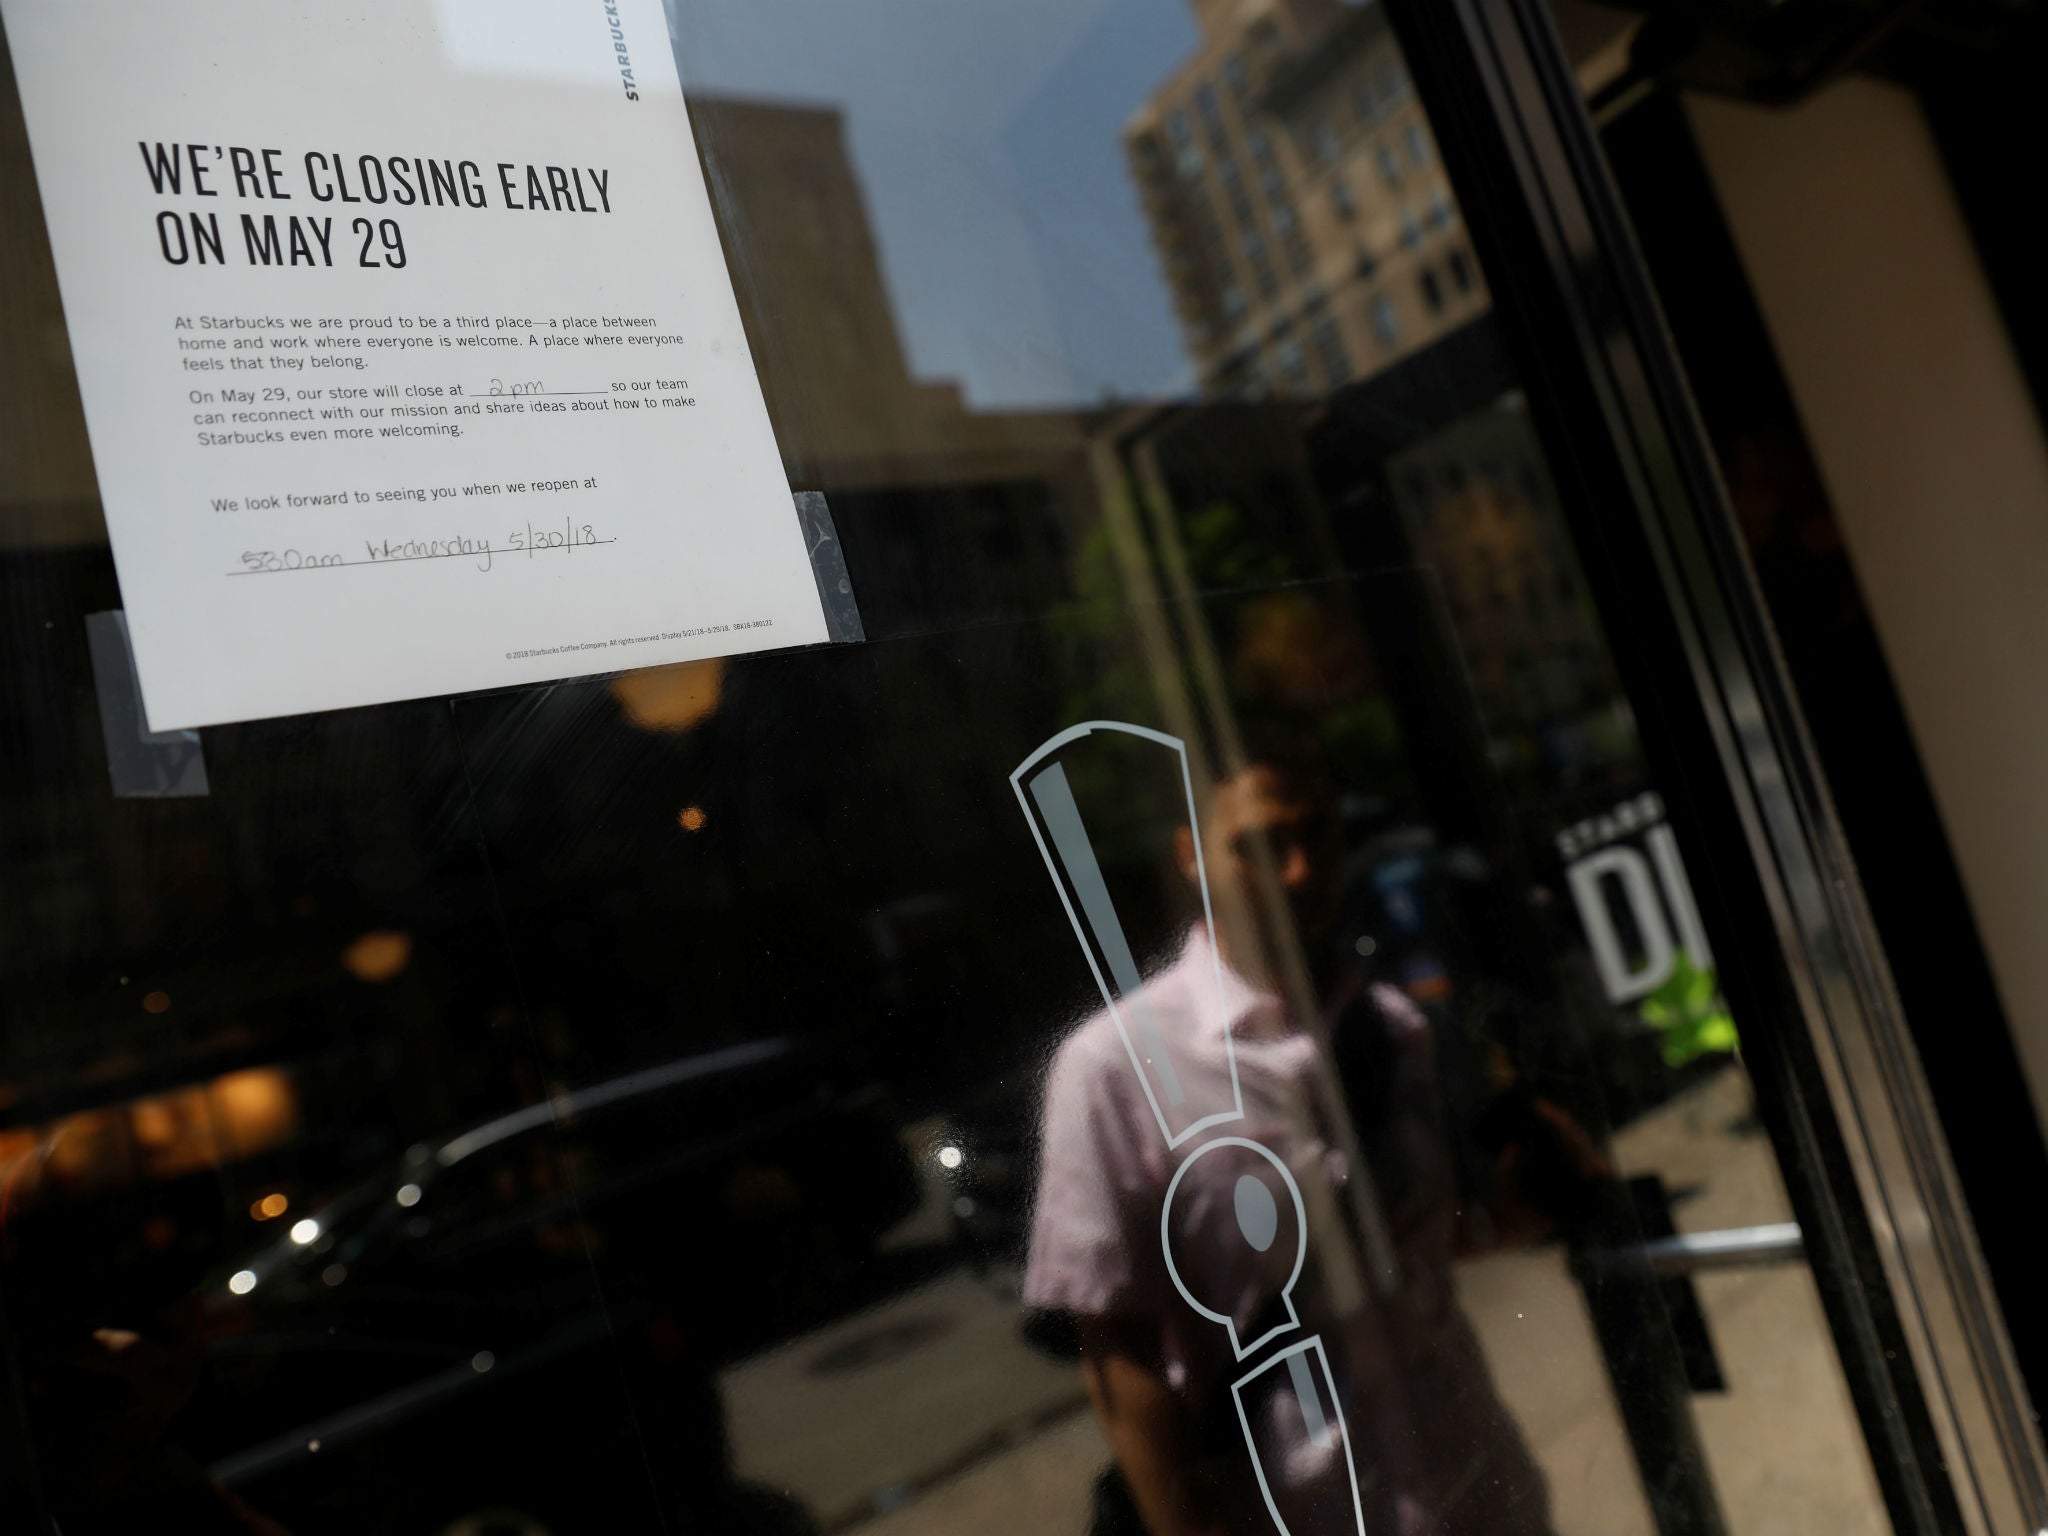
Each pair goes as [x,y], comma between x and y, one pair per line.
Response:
[1953,1439]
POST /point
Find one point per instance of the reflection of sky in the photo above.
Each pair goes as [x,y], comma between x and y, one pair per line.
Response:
[985,134]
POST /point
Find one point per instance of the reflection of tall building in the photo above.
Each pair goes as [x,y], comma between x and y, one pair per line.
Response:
[1294,193]
[942,507]
[808,273]
[1481,515]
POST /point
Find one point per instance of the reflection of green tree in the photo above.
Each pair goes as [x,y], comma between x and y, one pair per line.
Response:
[1689,1013]
[1365,739]
[1241,572]
[1226,555]
[1099,645]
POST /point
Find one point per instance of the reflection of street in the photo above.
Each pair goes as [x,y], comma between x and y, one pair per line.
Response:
[894,1406]
[928,1414]
[1042,1485]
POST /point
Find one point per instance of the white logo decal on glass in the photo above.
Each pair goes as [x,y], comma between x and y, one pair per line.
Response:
[1070,857]
[1302,1405]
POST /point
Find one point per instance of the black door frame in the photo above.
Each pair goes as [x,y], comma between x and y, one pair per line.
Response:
[1952,1437]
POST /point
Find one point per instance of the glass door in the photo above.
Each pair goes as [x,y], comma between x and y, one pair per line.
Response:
[1265,990]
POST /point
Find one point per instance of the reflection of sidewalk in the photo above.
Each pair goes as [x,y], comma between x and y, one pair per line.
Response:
[1782,1442]
[932,1387]
[1040,1485]
[928,1416]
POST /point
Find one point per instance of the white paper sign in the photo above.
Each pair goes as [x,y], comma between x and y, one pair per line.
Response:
[408,352]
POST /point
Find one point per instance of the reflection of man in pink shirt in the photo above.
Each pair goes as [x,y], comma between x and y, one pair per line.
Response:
[1434,1449]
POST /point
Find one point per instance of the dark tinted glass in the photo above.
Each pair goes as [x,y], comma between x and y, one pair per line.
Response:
[1199,1021]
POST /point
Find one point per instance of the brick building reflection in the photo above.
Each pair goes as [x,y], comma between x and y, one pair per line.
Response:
[1295,197]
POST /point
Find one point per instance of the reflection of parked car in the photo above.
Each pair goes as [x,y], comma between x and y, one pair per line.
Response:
[393,1348]
[987,1151]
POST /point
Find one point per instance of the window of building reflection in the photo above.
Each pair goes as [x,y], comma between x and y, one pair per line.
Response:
[1322,119]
